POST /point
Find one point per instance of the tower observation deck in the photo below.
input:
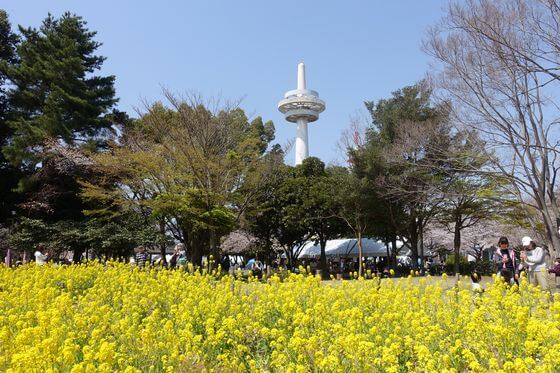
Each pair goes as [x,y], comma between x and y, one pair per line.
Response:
[301,106]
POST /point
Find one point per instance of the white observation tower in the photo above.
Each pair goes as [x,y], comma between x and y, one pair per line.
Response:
[301,106]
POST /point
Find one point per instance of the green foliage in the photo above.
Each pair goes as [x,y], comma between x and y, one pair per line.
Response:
[410,103]
[402,160]
[8,43]
[9,175]
[192,169]
[357,204]
[483,267]
[297,204]
[191,206]
[54,93]
[53,106]
[116,237]
[464,267]
[28,233]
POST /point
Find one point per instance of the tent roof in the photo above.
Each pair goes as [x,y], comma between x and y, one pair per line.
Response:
[346,247]
[310,250]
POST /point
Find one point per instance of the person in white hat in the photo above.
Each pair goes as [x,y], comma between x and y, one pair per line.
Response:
[535,261]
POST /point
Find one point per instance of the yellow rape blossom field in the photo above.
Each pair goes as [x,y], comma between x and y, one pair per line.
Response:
[89,318]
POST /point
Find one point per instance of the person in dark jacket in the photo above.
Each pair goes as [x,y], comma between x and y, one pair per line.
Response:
[506,261]
[556,270]
[225,263]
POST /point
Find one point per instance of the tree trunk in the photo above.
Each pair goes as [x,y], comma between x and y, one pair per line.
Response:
[394,252]
[389,256]
[414,243]
[551,233]
[195,247]
[162,246]
[421,239]
[77,255]
[555,244]
[360,265]
[162,249]
[457,243]
[323,260]
[214,254]
[290,259]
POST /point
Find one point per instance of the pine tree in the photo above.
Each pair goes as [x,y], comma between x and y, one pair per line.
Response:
[8,42]
[9,175]
[57,105]
[56,94]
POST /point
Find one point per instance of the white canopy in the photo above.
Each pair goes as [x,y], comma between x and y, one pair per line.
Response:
[347,247]
[310,250]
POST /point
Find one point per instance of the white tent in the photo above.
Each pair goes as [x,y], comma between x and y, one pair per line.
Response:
[347,247]
[310,250]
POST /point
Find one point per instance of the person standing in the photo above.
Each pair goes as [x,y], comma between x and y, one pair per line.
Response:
[476,287]
[556,270]
[179,258]
[40,257]
[141,256]
[8,258]
[174,257]
[182,258]
[506,261]
[534,259]
[225,263]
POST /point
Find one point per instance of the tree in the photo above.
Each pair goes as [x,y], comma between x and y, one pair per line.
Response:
[52,197]
[54,93]
[367,161]
[401,157]
[261,215]
[8,44]
[239,242]
[479,237]
[279,217]
[357,203]
[500,69]
[323,206]
[318,204]
[470,196]
[186,165]
[300,204]
[116,237]
[9,175]
[57,108]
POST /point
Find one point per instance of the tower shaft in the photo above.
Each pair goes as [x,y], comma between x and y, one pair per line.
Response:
[302,151]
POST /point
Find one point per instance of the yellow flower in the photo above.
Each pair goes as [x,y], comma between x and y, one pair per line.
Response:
[116,318]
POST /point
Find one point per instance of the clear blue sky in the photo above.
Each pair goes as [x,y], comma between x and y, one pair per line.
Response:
[353,51]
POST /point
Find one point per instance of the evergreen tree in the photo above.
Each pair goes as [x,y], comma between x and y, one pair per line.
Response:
[56,107]
[55,94]
[8,42]
[9,175]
